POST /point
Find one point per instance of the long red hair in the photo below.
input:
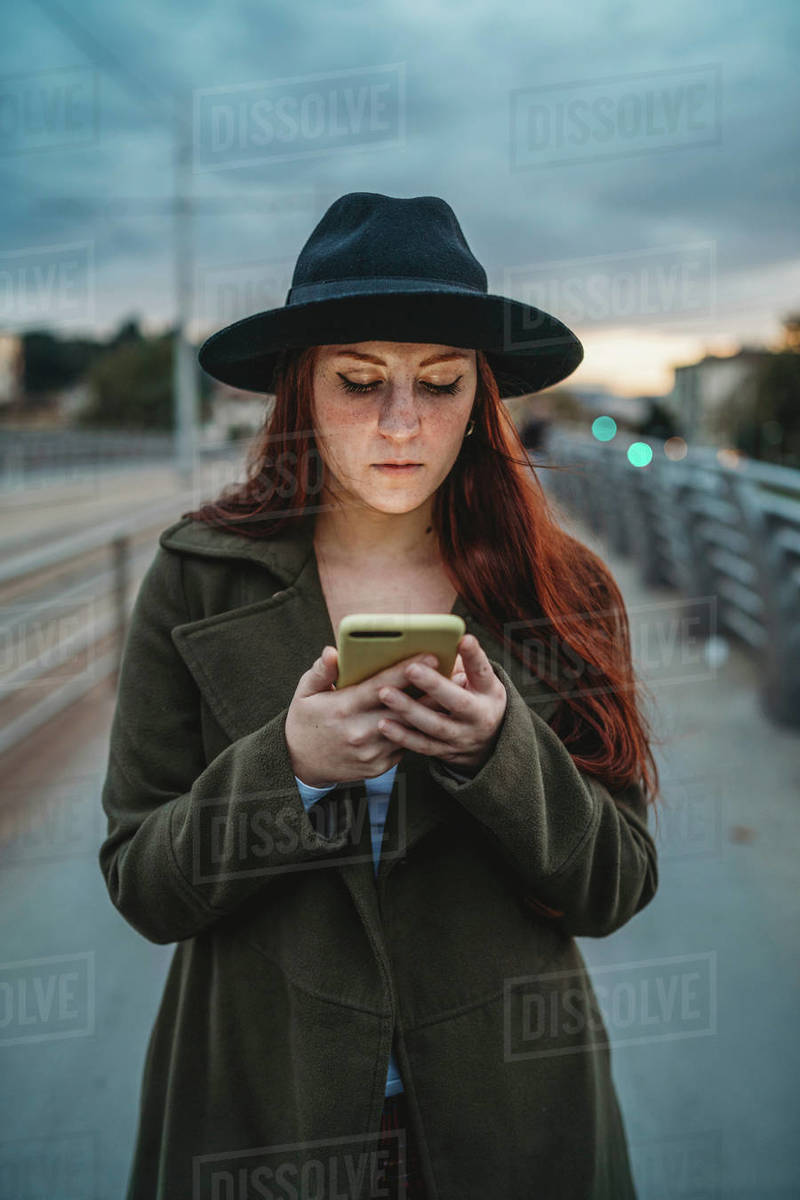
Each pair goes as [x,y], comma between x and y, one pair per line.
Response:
[545,595]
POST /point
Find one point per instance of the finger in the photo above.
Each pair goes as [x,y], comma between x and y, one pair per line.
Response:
[330,659]
[394,676]
[457,680]
[321,674]
[412,739]
[441,724]
[431,702]
[430,682]
[480,672]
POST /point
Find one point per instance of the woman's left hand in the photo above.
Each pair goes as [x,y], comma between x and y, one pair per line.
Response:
[465,734]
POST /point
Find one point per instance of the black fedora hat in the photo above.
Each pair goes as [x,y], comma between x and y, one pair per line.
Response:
[384,268]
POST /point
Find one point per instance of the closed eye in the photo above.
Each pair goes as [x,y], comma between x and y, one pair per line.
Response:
[436,388]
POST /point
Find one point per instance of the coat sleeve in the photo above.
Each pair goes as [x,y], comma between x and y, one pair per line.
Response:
[581,855]
[188,841]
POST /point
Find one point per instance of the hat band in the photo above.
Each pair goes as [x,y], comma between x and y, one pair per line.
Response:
[334,289]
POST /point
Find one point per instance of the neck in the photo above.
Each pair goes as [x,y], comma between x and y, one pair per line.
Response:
[355,536]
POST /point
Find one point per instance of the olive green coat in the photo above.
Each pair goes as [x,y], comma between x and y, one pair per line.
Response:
[295,966]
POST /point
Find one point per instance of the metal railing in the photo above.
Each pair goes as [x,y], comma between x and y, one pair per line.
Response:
[40,457]
[61,645]
[707,529]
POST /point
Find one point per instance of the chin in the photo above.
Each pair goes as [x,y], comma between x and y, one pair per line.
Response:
[394,504]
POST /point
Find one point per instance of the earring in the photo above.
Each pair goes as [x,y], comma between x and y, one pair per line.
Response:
[470,427]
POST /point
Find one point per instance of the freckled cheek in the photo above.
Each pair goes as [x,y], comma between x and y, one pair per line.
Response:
[332,418]
[346,441]
[443,436]
[342,428]
[446,428]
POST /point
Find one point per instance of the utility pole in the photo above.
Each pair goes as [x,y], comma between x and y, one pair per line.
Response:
[184,361]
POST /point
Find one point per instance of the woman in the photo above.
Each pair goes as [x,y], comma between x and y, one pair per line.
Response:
[372,894]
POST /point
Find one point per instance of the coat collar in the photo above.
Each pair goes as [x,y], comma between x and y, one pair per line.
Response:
[284,556]
[247,660]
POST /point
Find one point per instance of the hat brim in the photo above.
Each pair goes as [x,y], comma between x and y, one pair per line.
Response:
[528,349]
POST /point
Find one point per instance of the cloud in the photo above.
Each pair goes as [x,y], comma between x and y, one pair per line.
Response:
[463,65]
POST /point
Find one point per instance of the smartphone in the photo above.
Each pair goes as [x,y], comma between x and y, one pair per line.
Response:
[369,642]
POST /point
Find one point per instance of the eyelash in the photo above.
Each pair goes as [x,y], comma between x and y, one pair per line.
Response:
[438,389]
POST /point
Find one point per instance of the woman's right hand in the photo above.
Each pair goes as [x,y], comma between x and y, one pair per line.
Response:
[333,736]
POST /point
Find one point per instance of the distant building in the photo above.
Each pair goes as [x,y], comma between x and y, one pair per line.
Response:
[791,332]
[701,391]
[11,365]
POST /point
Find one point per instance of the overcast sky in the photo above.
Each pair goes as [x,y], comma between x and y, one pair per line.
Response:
[633,168]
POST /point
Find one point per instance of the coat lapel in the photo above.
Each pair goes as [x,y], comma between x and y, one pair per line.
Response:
[247,660]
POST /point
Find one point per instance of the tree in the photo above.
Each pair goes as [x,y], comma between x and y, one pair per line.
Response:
[52,363]
[131,385]
[129,331]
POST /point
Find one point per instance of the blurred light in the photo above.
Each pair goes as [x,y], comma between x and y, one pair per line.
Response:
[604,428]
[640,454]
[716,651]
[729,456]
[675,449]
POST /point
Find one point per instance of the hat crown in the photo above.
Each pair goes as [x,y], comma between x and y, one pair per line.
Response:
[388,268]
[366,237]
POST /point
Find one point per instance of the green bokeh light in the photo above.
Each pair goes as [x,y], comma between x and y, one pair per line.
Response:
[639,454]
[604,428]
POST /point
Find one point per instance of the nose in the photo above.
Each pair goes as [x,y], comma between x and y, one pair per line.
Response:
[399,413]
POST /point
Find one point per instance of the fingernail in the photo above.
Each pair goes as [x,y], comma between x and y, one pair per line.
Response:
[430,661]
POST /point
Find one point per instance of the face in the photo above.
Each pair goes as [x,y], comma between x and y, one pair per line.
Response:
[377,402]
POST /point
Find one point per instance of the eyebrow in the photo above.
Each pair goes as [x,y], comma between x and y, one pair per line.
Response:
[425,363]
